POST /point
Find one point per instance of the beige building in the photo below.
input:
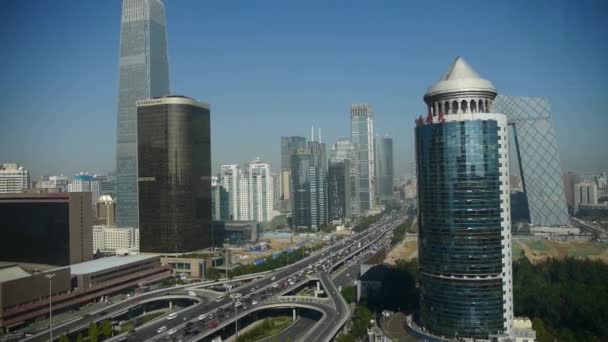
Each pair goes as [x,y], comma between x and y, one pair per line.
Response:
[13,178]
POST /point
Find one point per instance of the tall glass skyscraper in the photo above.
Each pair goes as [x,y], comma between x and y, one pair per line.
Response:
[343,150]
[289,145]
[308,182]
[362,136]
[538,156]
[384,168]
[144,73]
[463,215]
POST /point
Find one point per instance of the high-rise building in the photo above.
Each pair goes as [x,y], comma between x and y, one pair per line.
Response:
[144,73]
[174,174]
[338,190]
[53,183]
[309,185]
[46,228]
[569,179]
[13,178]
[289,145]
[261,194]
[343,149]
[362,137]
[220,201]
[538,157]
[585,193]
[84,182]
[107,184]
[385,172]
[230,179]
[106,211]
[463,209]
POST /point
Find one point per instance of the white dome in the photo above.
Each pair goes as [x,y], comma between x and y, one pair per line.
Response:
[105,199]
[460,77]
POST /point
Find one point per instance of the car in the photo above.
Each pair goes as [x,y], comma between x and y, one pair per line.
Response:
[202,317]
[254,302]
[172,315]
[237,304]
[161,329]
[171,332]
[192,293]
[219,299]
[211,325]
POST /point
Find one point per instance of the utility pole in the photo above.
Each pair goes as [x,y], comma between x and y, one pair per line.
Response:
[50,278]
[235,297]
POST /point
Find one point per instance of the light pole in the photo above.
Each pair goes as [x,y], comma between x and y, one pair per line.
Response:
[50,277]
[235,297]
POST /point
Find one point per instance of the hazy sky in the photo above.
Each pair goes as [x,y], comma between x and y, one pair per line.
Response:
[273,68]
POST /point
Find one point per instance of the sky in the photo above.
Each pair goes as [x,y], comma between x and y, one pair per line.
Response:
[275,68]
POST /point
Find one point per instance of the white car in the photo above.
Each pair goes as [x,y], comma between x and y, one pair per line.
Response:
[173,331]
[202,317]
[254,302]
[172,315]
[161,329]
[192,293]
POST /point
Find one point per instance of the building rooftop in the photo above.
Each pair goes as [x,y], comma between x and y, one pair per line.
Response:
[107,263]
[375,273]
[460,77]
[12,272]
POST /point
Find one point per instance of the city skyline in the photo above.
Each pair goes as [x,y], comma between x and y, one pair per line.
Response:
[227,73]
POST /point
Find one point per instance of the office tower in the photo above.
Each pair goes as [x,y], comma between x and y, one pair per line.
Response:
[106,211]
[144,73]
[230,178]
[84,182]
[46,228]
[276,190]
[362,137]
[309,185]
[13,178]
[53,183]
[261,194]
[107,184]
[244,208]
[289,145]
[174,174]
[570,179]
[220,202]
[463,213]
[338,190]
[343,149]
[538,157]
[385,172]
[585,193]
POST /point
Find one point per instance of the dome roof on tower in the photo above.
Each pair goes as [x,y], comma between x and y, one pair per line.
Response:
[460,77]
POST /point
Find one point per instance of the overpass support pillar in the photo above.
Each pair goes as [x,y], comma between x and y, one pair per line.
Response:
[170,304]
[295,315]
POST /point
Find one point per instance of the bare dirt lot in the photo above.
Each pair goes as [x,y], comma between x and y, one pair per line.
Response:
[536,250]
[277,244]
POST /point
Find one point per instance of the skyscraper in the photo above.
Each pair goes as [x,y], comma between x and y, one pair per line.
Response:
[343,149]
[538,156]
[174,174]
[463,214]
[261,194]
[585,193]
[384,168]
[144,73]
[83,182]
[338,190]
[309,185]
[289,145]
[220,201]
[230,178]
[362,137]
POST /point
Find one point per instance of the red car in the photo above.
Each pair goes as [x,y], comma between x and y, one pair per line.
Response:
[211,325]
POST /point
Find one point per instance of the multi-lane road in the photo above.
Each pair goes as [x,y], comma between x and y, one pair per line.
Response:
[205,318]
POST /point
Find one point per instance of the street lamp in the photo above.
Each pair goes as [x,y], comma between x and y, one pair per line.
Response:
[235,297]
[50,278]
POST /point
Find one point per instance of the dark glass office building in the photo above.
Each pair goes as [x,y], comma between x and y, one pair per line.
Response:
[309,185]
[384,168]
[338,190]
[463,210]
[46,228]
[174,175]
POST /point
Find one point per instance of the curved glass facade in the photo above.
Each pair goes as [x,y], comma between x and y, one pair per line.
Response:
[460,227]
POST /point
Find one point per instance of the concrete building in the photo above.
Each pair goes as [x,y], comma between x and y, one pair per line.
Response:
[53,229]
[13,178]
[106,211]
[385,171]
[342,150]
[53,183]
[585,193]
[362,137]
[261,194]
[111,239]
[174,174]
[289,145]
[539,161]
[230,179]
[462,151]
[240,232]
[84,182]
[143,73]
[220,203]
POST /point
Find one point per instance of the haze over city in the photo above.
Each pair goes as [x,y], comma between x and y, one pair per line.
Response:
[275,68]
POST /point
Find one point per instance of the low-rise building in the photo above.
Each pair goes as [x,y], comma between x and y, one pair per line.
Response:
[111,239]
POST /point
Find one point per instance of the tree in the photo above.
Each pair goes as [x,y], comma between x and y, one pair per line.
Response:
[80,338]
[93,333]
[64,338]
[350,294]
[106,328]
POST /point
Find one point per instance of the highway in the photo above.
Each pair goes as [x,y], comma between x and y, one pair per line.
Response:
[256,295]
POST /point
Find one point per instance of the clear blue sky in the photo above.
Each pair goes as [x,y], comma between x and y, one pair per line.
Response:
[273,68]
